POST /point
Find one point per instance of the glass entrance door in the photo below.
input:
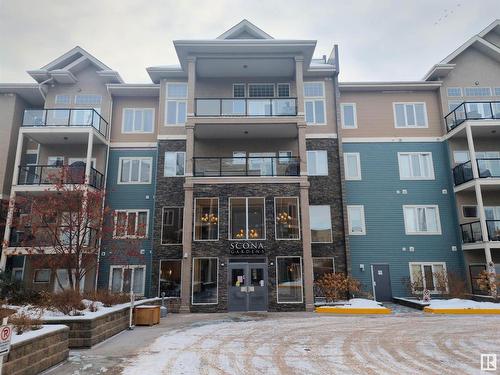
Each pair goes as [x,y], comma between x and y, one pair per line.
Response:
[247,289]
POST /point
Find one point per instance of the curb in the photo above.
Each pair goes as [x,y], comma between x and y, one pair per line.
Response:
[463,311]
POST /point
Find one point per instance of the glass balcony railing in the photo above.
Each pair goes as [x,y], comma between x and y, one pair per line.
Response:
[26,236]
[246,107]
[487,168]
[58,174]
[493,229]
[246,166]
[471,232]
[65,117]
[488,110]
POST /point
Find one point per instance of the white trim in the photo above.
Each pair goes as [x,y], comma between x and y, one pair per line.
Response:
[133,144]
[129,211]
[419,153]
[314,99]
[134,110]
[330,221]
[321,136]
[159,272]
[355,115]
[438,219]
[394,104]
[301,279]
[192,283]
[165,163]
[391,140]
[363,221]
[299,221]
[373,282]
[194,219]
[132,276]
[182,225]
[307,162]
[140,158]
[172,137]
[229,232]
[176,99]
[432,264]
[357,177]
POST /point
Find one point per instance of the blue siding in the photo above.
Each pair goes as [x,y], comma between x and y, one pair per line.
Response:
[129,196]
[385,231]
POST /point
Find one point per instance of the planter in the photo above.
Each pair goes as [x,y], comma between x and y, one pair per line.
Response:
[146,315]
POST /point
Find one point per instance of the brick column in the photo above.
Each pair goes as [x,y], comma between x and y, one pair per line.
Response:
[187,237]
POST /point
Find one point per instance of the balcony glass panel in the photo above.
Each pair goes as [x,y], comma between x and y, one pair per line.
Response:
[462,173]
[259,107]
[233,107]
[57,117]
[34,117]
[207,107]
[489,167]
[472,111]
[284,107]
[471,232]
[493,229]
[251,166]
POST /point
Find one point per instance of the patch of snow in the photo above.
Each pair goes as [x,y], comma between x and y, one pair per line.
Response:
[457,303]
[16,339]
[359,303]
[414,300]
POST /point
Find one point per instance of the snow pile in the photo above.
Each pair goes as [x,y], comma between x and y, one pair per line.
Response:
[457,303]
[359,303]
[36,333]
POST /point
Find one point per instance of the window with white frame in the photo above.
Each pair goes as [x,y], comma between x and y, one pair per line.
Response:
[497,91]
[123,279]
[239,90]
[477,91]
[314,103]
[62,99]
[352,166]
[131,224]
[138,120]
[421,219]
[175,163]
[176,106]
[205,281]
[356,220]
[469,211]
[348,115]
[289,279]
[454,91]
[261,90]
[410,115]
[90,100]
[247,220]
[41,275]
[428,276]
[61,281]
[321,223]
[172,224]
[134,170]
[415,166]
[317,163]
[283,90]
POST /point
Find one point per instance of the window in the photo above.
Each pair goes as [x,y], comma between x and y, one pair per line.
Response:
[422,220]
[352,166]
[356,220]
[321,267]
[469,211]
[410,115]
[134,170]
[62,280]
[131,223]
[426,276]
[88,100]
[62,99]
[286,212]
[123,279]
[283,90]
[205,281]
[348,114]
[42,276]
[454,91]
[138,120]
[247,219]
[415,166]
[206,219]
[238,90]
[175,163]
[460,157]
[314,102]
[475,271]
[171,229]
[261,90]
[289,279]
[497,91]
[176,103]
[55,160]
[321,224]
[317,163]
[477,91]
[170,277]
[17,273]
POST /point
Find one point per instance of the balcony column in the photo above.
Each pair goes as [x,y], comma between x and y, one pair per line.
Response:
[8,229]
[301,129]
[472,152]
[189,148]
[299,83]
[191,84]
[88,160]
[187,236]
[482,214]
[17,162]
[306,244]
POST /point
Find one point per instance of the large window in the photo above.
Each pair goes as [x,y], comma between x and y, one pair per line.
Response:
[176,103]
[427,276]
[171,227]
[422,219]
[415,166]
[206,219]
[61,281]
[410,115]
[134,170]
[352,166]
[205,283]
[321,224]
[317,163]
[131,223]
[289,279]
[247,219]
[170,277]
[286,212]
[41,276]
[314,102]
[123,279]
[348,115]
[321,267]
[175,164]
[138,120]
[356,220]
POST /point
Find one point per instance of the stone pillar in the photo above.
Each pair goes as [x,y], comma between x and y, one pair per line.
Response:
[306,243]
[191,85]
[299,83]
[187,238]
[301,135]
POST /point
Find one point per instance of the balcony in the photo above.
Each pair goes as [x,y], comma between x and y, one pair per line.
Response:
[246,107]
[471,232]
[65,117]
[245,166]
[44,236]
[487,167]
[488,110]
[58,174]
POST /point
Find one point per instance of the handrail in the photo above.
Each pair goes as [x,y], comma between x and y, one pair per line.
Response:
[472,110]
[227,107]
[207,166]
[52,174]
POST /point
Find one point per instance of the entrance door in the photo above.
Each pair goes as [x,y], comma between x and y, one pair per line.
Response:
[381,282]
[247,289]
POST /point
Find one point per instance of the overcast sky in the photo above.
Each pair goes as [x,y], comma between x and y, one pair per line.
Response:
[378,40]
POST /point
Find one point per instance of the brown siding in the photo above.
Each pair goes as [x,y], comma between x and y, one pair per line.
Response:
[119,103]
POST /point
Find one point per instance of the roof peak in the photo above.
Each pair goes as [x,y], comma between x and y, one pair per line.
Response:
[245,30]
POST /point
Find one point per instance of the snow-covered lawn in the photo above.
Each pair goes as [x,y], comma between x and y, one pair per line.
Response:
[35,333]
[457,303]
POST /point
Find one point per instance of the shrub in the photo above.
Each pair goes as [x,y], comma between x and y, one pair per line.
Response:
[337,286]
[69,302]
[450,284]
[15,293]
[107,298]
[23,322]
[413,288]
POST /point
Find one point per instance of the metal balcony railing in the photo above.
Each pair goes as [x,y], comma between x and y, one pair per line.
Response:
[77,117]
[487,110]
[471,232]
[245,166]
[58,174]
[493,229]
[24,236]
[220,107]
[487,167]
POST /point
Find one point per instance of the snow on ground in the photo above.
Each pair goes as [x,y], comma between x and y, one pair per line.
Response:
[457,303]
[362,303]
[35,333]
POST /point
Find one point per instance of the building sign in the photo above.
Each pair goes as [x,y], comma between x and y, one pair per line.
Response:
[246,248]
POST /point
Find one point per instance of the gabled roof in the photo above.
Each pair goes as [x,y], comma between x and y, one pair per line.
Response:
[245,30]
[63,68]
